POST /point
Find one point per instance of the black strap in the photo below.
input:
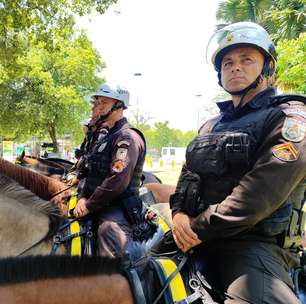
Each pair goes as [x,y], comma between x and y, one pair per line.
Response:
[170,278]
[135,284]
[279,99]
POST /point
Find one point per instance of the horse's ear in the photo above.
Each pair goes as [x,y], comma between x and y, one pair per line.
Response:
[22,155]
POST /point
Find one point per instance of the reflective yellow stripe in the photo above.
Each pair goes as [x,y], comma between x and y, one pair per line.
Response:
[74,228]
[176,285]
[163,224]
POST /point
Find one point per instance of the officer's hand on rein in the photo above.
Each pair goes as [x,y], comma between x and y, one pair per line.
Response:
[80,209]
[183,235]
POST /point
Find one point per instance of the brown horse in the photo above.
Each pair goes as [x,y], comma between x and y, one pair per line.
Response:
[62,279]
[34,223]
[43,186]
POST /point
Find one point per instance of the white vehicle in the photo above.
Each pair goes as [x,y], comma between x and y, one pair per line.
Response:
[170,154]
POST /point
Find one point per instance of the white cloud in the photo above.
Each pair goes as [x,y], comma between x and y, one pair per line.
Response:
[165,41]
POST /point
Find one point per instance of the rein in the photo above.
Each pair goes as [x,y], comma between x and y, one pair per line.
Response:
[61,191]
[33,246]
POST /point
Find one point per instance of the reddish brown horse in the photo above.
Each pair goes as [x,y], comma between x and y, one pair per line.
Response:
[58,280]
[43,186]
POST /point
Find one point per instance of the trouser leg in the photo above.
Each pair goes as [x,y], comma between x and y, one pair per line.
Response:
[250,272]
[246,280]
[113,234]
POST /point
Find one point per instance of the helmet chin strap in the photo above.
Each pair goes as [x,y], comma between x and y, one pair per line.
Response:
[115,107]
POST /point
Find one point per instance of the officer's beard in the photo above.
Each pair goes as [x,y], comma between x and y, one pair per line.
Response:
[104,117]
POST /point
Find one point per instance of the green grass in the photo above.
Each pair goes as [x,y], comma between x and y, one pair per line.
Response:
[168,176]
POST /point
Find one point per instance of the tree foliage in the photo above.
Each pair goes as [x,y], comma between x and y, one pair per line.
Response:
[283,19]
[291,64]
[47,94]
[161,135]
[46,67]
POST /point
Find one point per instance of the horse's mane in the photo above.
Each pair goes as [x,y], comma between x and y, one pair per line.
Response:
[32,268]
[11,189]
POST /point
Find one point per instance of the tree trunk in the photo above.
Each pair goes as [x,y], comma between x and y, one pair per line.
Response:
[52,133]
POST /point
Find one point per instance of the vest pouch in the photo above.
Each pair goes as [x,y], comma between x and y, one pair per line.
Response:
[192,205]
[237,150]
[132,207]
[206,155]
[94,164]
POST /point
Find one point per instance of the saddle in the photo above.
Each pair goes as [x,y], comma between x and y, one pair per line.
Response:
[166,275]
[79,234]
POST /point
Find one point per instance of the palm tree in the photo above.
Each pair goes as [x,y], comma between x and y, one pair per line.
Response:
[242,10]
[284,19]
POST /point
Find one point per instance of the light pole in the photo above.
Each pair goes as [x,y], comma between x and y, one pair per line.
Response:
[137,105]
[198,110]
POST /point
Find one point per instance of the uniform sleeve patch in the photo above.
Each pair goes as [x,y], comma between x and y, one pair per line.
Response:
[286,152]
[123,143]
[118,166]
[121,153]
[297,112]
[293,129]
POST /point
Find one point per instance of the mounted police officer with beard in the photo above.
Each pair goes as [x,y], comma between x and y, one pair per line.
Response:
[240,195]
[111,169]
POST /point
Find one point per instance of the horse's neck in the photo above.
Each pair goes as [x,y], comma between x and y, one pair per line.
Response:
[20,227]
[103,289]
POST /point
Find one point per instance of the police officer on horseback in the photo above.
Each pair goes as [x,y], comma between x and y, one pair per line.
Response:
[111,170]
[239,198]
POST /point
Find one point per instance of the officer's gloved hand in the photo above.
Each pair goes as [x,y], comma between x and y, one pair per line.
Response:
[166,246]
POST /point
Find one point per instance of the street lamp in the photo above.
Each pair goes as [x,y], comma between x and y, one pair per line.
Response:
[137,105]
[198,110]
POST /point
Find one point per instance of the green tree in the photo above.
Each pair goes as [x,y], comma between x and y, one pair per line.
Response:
[46,68]
[47,94]
[39,20]
[291,64]
[161,135]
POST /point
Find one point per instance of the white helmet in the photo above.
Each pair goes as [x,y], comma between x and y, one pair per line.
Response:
[85,122]
[239,34]
[116,92]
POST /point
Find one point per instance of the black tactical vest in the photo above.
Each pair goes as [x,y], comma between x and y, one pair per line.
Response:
[99,160]
[221,154]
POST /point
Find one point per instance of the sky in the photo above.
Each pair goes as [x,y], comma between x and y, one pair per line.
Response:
[165,42]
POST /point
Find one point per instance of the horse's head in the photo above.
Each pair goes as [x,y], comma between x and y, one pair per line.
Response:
[19,159]
[42,166]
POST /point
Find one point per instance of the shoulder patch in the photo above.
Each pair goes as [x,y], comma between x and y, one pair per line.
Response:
[286,152]
[298,112]
[121,153]
[293,129]
[118,166]
[123,143]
